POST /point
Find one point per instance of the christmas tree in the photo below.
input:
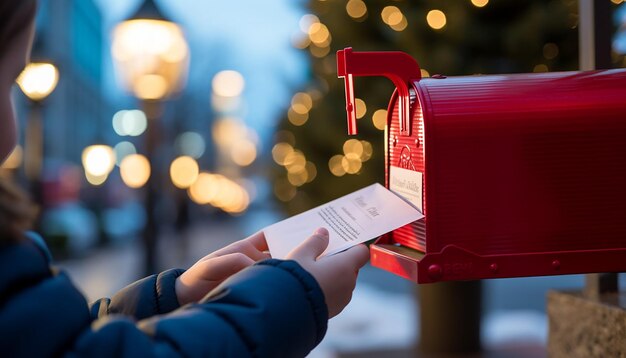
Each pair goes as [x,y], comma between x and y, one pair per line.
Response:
[316,160]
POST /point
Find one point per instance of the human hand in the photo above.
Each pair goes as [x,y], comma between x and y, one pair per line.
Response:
[211,270]
[335,274]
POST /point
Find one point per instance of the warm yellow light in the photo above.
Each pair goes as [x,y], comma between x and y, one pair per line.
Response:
[356,9]
[401,25]
[367,151]
[228,83]
[480,3]
[541,68]
[123,149]
[98,160]
[144,48]
[297,119]
[298,178]
[361,108]
[302,102]
[135,170]
[280,152]
[96,180]
[150,87]
[38,80]
[14,160]
[335,166]
[319,34]
[311,171]
[295,161]
[243,152]
[353,146]
[424,73]
[351,163]
[184,171]
[319,52]
[379,118]
[387,12]
[283,190]
[204,189]
[227,129]
[436,19]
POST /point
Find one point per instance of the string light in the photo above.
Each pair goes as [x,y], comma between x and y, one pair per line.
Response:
[361,108]
[436,19]
[379,119]
[480,3]
[356,9]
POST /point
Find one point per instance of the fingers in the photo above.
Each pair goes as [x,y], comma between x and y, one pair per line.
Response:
[253,247]
[218,268]
[312,247]
[257,240]
[357,255]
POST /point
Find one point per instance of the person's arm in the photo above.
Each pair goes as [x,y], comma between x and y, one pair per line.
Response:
[153,295]
[162,293]
[272,309]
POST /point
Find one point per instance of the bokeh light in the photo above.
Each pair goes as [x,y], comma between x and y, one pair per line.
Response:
[191,144]
[283,190]
[243,152]
[184,171]
[480,3]
[351,163]
[228,83]
[98,160]
[135,170]
[38,80]
[335,166]
[436,19]
[361,108]
[379,119]
[130,122]
[122,150]
[150,87]
[356,9]
[280,152]
[306,21]
[220,192]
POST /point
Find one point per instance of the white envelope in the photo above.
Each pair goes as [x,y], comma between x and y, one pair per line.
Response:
[352,219]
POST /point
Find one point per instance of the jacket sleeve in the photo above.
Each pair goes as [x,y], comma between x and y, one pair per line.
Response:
[147,297]
[272,309]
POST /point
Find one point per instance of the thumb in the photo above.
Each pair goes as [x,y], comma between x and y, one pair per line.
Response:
[312,247]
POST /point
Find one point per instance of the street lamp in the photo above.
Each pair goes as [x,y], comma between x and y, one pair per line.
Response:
[37,81]
[152,60]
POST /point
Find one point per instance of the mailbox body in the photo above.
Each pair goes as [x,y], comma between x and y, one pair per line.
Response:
[520,175]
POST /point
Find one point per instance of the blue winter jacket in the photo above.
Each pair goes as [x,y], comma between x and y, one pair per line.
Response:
[271,309]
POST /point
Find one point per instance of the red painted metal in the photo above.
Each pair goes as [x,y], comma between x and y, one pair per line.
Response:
[523,175]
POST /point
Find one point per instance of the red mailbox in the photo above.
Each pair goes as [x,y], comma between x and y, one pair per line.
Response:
[517,175]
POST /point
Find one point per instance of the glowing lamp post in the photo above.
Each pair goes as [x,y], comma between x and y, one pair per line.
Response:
[37,81]
[152,60]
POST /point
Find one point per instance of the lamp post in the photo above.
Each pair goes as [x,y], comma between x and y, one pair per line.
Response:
[152,60]
[37,81]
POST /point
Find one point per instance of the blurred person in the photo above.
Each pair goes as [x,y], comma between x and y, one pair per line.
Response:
[235,302]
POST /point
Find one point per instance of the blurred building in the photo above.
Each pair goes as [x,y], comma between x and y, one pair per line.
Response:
[70,35]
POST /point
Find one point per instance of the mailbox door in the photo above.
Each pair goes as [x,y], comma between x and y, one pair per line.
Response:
[405,168]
